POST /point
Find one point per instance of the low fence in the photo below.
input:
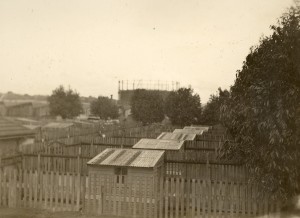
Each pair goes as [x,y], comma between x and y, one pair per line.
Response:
[135,197]
[35,189]
[208,171]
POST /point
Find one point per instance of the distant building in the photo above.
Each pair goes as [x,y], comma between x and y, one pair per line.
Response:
[86,109]
[2,109]
[24,109]
[41,110]
[12,137]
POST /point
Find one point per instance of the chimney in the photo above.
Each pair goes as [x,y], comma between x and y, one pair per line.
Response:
[111,96]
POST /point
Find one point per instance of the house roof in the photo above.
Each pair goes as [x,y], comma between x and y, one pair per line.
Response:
[188,131]
[127,157]
[177,136]
[10,129]
[159,144]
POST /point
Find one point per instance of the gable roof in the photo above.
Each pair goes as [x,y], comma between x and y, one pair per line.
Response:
[159,144]
[127,157]
[177,136]
[10,129]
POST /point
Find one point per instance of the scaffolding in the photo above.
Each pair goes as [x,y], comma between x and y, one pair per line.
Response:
[148,85]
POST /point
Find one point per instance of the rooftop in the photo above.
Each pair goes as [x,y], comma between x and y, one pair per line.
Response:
[159,144]
[189,131]
[10,129]
[204,128]
[177,136]
[127,157]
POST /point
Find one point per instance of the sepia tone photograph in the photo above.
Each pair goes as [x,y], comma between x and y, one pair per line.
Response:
[150,109]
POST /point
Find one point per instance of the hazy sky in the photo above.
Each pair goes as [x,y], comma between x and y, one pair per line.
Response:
[91,44]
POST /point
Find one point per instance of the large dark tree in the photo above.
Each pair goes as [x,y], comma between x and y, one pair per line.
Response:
[183,107]
[263,111]
[105,108]
[64,103]
[211,111]
[147,106]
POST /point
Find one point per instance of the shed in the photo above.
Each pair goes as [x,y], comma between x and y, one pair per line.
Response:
[131,173]
[127,163]
[177,136]
[12,135]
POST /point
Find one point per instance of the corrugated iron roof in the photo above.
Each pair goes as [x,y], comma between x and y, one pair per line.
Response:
[204,128]
[10,129]
[188,131]
[159,144]
[177,136]
[127,157]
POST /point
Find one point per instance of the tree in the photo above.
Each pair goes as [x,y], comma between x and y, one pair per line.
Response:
[183,107]
[105,108]
[211,112]
[263,110]
[147,106]
[64,103]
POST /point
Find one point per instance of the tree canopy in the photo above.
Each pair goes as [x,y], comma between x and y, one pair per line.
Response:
[183,107]
[105,108]
[211,111]
[64,103]
[147,106]
[263,111]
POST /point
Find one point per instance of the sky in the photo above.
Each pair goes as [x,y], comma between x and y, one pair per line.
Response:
[89,45]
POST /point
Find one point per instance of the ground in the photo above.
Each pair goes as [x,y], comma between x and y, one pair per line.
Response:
[33,213]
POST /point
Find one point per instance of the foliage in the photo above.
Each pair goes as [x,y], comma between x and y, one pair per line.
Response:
[64,103]
[211,111]
[263,111]
[105,108]
[147,106]
[183,107]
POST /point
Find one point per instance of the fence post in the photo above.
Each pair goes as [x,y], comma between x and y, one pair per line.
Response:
[39,163]
[78,189]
